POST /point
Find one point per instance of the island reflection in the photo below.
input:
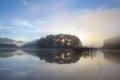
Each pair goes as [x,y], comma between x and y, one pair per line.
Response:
[65,56]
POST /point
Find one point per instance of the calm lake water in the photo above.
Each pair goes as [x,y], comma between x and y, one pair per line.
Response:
[59,65]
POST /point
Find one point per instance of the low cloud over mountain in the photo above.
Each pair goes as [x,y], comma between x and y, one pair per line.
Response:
[10,41]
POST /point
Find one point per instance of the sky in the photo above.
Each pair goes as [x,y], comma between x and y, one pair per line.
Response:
[90,20]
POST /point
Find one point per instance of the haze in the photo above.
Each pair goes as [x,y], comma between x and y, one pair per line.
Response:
[91,20]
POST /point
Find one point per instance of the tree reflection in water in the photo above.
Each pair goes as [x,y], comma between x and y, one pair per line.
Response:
[112,55]
[63,56]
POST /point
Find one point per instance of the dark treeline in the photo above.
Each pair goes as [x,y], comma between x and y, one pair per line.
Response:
[64,41]
[59,41]
[112,43]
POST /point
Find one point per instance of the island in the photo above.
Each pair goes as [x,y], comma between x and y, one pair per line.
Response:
[59,41]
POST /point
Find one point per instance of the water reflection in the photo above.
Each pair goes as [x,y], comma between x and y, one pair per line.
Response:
[5,53]
[63,56]
[112,55]
[34,65]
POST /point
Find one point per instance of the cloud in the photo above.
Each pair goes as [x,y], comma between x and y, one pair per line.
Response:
[112,4]
[42,9]
[21,23]
[92,26]
[25,2]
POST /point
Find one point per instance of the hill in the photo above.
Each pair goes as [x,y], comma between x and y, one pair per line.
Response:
[31,44]
[112,43]
[10,41]
[59,41]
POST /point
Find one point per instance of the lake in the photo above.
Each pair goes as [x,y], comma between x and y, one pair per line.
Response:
[47,64]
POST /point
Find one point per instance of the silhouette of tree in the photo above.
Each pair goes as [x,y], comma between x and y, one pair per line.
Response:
[59,41]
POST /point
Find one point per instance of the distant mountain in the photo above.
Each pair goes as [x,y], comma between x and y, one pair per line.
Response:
[5,42]
[112,43]
[4,45]
[31,44]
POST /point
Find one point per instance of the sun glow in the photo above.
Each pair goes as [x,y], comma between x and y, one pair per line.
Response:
[81,36]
